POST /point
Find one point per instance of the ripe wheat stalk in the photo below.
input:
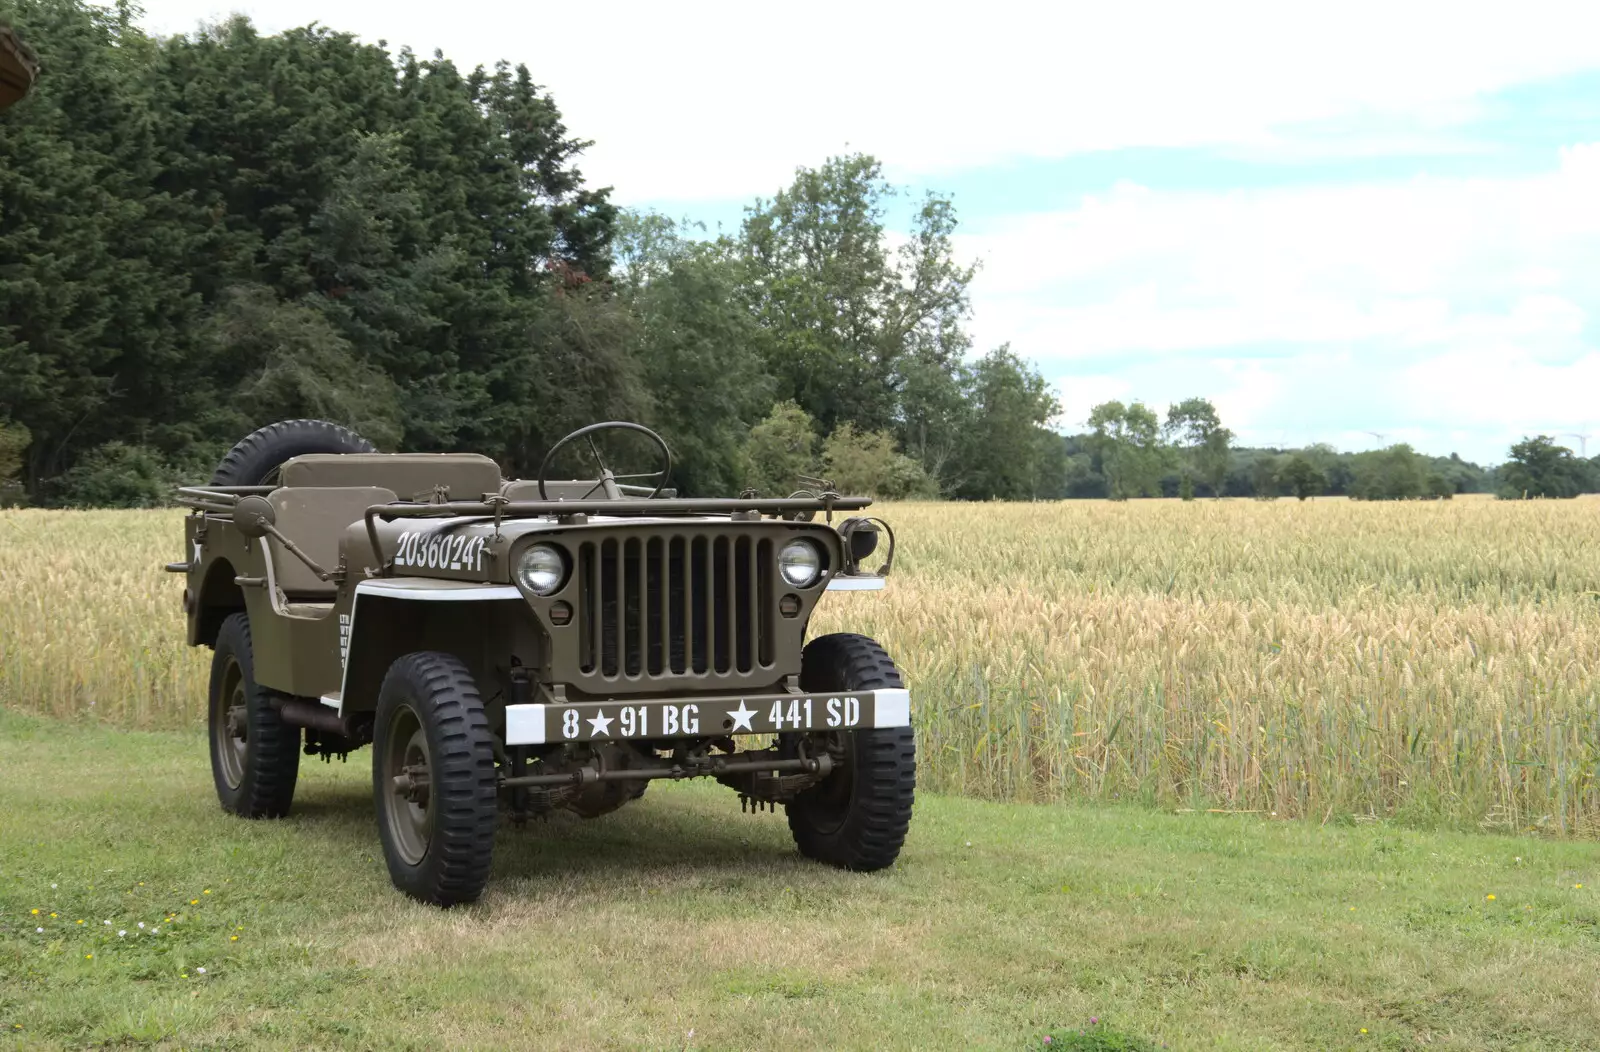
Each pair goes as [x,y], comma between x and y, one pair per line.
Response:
[1430,661]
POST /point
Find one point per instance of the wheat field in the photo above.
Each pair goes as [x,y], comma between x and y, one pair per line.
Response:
[1430,662]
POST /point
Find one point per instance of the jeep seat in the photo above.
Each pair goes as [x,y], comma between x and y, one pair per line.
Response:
[314,518]
[414,476]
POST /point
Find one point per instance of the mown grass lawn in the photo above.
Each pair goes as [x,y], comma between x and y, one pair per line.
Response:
[681,923]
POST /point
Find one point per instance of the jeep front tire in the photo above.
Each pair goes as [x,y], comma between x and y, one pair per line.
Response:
[433,774]
[857,817]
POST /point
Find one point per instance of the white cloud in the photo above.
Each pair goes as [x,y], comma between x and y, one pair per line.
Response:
[1443,311]
[1509,387]
[1438,306]
[723,100]
[1079,397]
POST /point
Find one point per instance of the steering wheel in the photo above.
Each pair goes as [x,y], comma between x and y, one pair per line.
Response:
[608,480]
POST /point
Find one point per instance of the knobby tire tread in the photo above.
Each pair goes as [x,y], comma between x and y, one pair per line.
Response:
[257,454]
[885,759]
[456,867]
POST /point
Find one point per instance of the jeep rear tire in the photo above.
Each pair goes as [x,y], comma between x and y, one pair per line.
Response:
[434,777]
[255,756]
[857,817]
[256,458]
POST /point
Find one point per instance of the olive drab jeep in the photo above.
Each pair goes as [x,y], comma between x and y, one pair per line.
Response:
[533,645]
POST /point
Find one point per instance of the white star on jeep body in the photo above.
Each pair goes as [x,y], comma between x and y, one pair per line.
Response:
[601,723]
[741,716]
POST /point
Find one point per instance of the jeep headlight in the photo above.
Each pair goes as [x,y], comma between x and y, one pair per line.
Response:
[800,562]
[541,569]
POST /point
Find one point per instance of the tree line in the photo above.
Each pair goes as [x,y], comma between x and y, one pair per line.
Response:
[205,233]
[1131,452]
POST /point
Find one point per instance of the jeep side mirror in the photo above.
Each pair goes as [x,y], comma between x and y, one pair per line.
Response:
[254,516]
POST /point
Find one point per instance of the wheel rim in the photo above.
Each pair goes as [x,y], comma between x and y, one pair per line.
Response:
[407,773]
[229,727]
[829,801]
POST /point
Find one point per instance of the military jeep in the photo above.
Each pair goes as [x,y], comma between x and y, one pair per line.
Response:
[527,646]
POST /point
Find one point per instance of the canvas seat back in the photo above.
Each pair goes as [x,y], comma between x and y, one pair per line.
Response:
[413,476]
[315,518]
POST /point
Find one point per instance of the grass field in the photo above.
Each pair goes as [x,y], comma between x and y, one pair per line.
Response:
[1431,662]
[680,923]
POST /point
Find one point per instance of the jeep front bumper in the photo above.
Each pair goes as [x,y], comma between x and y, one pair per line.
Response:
[713,716]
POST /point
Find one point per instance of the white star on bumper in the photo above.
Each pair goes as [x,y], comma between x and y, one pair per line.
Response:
[741,716]
[601,724]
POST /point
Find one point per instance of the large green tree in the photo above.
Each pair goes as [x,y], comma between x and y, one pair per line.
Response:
[1304,479]
[1009,453]
[848,315]
[1540,468]
[205,233]
[1194,424]
[1127,439]
[698,348]
[97,301]
[420,238]
[1395,473]
[781,452]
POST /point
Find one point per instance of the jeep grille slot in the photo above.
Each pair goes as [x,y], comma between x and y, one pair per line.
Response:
[687,605]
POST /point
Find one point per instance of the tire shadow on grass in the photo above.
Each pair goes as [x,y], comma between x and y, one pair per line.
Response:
[699,830]
[652,838]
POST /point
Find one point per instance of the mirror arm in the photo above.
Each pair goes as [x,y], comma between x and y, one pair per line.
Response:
[294,549]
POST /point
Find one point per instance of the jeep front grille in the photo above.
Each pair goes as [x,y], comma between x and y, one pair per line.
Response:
[691,605]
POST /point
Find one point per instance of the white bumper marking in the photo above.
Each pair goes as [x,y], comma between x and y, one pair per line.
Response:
[892,707]
[429,588]
[524,724]
[857,584]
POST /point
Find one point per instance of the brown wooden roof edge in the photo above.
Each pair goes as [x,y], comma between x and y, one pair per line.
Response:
[18,67]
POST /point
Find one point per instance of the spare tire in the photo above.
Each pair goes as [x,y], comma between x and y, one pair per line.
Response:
[255,460]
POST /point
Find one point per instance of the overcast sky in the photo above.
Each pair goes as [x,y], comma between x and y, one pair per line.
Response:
[1379,223]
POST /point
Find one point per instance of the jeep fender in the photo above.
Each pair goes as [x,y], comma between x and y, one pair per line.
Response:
[391,617]
[218,596]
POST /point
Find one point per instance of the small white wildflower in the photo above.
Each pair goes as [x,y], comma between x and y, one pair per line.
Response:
[969,843]
[39,930]
[141,924]
[108,924]
[53,887]
[155,931]
[200,971]
[120,934]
